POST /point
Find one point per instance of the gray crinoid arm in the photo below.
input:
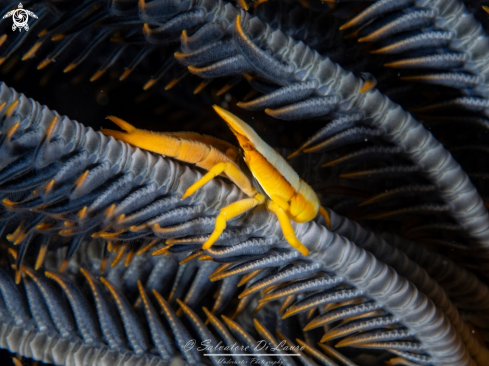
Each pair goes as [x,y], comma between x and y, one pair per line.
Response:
[282,61]
[31,139]
[468,44]
[378,279]
[164,342]
[405,266]
[459,283]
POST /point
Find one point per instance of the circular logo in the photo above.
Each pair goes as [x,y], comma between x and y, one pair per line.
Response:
[20,17]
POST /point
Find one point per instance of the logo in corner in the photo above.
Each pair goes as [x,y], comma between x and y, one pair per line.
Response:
[20,17]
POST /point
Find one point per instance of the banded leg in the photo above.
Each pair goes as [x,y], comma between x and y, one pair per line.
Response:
[229,212]
[287,228]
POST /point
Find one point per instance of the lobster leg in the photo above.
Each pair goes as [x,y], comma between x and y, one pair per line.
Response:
[287,228]
[325,215]
[231,171]
[229,212]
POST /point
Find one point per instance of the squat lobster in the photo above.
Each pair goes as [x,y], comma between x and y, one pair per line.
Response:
[284,193]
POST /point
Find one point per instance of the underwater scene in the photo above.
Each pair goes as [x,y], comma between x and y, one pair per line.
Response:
[240,182]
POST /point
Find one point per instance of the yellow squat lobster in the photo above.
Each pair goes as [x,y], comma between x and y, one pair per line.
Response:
[284,193]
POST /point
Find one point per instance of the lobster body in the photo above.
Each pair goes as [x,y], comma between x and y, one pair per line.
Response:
[284,193]
[277,179]
[201,150]
[289,197]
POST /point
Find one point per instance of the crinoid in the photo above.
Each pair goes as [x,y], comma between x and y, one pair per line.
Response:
[380,107]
